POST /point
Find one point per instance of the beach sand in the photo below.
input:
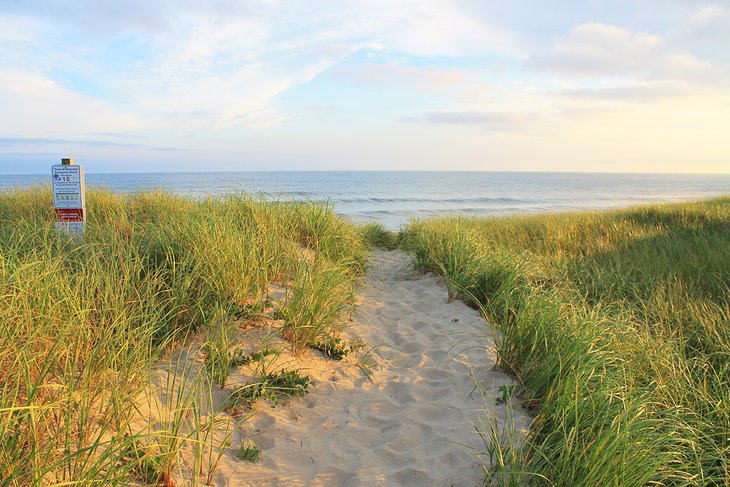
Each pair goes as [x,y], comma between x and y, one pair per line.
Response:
[412,424]
[410,421]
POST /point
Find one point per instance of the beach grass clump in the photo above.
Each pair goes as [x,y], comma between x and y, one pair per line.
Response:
[617,325]
[217,350]
[376,235]
[82,323]
[147,467]
[318,301]
[320,229]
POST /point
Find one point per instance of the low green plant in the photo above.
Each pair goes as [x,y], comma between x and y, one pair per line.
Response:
[239,358]
[248,451]
[337,348]
[270,386]
[219,360]
[505,392]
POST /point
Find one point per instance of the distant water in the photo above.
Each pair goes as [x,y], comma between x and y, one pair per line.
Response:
[392,198]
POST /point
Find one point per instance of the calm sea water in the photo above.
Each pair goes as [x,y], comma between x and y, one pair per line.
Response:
[392,198]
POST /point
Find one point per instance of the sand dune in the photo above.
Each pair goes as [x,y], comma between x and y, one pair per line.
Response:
[412,425]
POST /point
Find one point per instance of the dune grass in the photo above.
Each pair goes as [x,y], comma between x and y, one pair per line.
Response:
[376,235]
[617,326]
[81,325]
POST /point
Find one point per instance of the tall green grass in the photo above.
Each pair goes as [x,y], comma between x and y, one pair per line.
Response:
[82,324]
[616,323]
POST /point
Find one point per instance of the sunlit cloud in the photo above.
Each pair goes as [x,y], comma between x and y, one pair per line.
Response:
[34,104]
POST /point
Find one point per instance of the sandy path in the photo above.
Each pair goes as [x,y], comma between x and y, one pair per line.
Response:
[412,424]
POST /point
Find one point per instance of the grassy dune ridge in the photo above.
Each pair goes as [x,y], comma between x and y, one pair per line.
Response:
[81,325]
[617,325]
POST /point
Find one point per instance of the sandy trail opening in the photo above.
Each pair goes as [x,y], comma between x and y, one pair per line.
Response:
[412,425]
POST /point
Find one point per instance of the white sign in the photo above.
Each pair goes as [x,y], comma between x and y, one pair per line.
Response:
[68,186]
[70,228]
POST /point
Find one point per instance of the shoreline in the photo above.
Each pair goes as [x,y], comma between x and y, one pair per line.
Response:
[392,199]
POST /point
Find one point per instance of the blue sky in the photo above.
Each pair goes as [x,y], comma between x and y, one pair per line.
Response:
[641,85]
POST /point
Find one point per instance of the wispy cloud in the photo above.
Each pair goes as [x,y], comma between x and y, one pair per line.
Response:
[169,149]
[597,49]
[491,121]
[36,141]
[428,78]
[630,93]
[709,28]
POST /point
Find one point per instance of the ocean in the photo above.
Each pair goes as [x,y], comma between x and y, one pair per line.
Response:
[393,198]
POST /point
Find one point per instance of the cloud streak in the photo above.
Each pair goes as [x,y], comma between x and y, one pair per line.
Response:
[597,49]
[36,141]
[628,93]
[490,121]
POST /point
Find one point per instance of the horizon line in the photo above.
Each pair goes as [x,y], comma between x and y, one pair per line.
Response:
[379,171]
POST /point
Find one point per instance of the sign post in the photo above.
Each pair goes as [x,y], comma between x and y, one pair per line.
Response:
[69,199]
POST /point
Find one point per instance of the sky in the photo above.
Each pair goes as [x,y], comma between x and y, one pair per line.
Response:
[484,85]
